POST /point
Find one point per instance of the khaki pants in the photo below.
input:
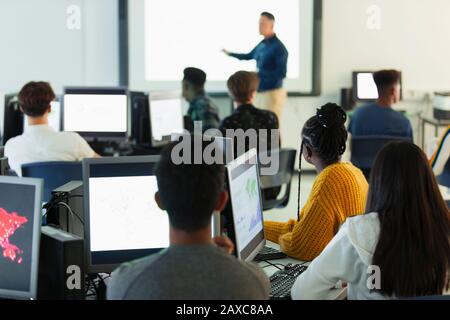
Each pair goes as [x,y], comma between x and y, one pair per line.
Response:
[272,100]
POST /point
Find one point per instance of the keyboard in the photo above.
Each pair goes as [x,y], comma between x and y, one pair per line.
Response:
[283,280]
[268,253]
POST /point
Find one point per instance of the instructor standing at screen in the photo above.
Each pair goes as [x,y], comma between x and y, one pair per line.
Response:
[271,59]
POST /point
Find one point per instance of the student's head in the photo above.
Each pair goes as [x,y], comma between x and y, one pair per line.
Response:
[388,85]
[35,99]
[193,83]
[324,136]
[266,23]
[190,193]
[242,87]
[413,250]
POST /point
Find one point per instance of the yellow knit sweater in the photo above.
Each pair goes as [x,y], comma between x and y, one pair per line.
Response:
[339,191]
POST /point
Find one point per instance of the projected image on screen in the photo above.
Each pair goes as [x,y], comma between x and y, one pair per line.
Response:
[126,218]
[95,113]
[246,207]
[167,36]
[196,38]
[166,117]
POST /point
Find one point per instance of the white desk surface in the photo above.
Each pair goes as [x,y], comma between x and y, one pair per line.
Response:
[335,294]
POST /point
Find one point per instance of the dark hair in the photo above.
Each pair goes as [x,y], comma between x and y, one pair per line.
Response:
[189,192]
[386,78]
[268,15]
[413,250]
[35,98]
[242,84]
[326,134]
[195,76]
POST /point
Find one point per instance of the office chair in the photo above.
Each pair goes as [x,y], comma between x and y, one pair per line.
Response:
[54,173]
[271,184]
[364,150]
[444,178]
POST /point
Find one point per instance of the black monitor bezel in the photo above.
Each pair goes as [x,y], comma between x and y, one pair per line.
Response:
[261,240]
[98,136]
[355,86]
[38,184]
[90,262]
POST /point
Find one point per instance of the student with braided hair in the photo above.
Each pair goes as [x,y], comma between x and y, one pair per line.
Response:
[339,190]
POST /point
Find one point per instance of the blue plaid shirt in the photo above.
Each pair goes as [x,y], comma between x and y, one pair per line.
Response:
[202,108]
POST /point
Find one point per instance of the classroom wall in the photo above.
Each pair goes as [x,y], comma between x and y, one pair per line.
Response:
[40,41]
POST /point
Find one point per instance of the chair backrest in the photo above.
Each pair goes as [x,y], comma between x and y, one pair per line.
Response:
[54,173]
[444,177]
[286,168]
[366,148]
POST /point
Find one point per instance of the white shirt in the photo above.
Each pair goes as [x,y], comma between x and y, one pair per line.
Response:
[346,258]
[42,143]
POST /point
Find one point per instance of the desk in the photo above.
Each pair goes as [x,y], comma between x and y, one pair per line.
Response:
[436,123]
[334,294]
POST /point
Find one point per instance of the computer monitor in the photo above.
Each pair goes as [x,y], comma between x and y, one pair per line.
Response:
[20,223]
[96,113]
[245,196]
[223,144]
[122,219]
[364,87]
[54,117]
[166,116]
[12,118]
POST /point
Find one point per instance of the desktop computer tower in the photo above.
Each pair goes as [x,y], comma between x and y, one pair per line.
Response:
[140,118]
[61,266]
[347,101]
[72,195]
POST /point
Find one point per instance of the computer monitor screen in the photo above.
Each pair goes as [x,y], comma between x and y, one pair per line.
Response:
[245,196]
[96,113]
[54,117]
[364,87]
[20,222]
[122,219]
[166,116]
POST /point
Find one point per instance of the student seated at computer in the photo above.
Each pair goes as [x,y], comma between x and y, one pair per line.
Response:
[201,107]
[379,118]
[339,190]
[194,266]
[400,247]
[40,142]
[242,87]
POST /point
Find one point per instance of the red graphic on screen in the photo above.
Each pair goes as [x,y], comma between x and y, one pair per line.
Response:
[9,223]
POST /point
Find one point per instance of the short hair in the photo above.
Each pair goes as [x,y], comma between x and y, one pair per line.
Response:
[242,84]
[189,192]
[386,78]
[35,98]
[195,76]
[268,15]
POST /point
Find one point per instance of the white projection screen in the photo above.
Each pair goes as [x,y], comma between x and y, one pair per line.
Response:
[165,36]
